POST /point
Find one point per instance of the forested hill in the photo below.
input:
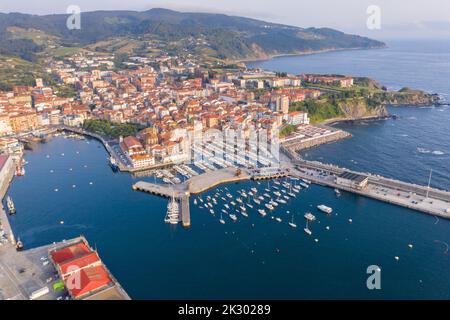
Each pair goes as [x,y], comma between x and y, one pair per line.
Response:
[228,36]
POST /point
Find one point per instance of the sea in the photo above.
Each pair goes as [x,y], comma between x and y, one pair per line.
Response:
[69,190]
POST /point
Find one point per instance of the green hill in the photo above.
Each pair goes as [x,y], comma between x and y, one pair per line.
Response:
[227,37]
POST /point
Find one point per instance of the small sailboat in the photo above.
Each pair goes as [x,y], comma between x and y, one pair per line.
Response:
[221,219]
[292,224]
[306,229]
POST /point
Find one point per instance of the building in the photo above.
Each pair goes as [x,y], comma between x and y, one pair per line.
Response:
[297,117]
[23,122]
[84,275]
[131,146]
[352,180]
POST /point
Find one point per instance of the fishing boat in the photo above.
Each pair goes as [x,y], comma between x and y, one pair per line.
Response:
[10,204]
[325,209]
[292,224]
[262,212]
[19,245]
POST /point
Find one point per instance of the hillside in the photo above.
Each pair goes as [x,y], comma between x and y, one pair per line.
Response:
[226,37]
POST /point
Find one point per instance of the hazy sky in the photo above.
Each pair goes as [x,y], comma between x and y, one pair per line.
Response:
[399,18]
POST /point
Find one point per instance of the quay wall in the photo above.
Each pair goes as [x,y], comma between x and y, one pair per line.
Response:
[302,143]
[6,177]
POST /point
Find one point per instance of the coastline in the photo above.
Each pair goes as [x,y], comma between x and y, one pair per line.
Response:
[299,54]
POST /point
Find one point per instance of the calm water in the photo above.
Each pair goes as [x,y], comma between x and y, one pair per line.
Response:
[257,257]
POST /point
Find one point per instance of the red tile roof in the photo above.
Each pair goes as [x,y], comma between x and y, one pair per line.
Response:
[69,253]
[90,279]
[78,263]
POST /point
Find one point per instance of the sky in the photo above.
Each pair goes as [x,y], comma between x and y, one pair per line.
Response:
[398,18]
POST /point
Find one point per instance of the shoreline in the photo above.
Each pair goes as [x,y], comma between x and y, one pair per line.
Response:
[300,54]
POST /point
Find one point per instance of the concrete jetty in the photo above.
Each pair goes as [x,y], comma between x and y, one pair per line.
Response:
[419,198]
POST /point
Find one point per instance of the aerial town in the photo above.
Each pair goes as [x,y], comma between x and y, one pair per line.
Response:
[165,97]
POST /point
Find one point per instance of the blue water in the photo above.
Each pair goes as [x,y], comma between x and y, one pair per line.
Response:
[255,257]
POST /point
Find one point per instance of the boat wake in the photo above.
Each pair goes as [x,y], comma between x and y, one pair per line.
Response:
[435,152]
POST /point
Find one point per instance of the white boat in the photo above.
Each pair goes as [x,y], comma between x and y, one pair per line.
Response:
[224,211]
[233,203]
[306,229]
[306,181]
[292,224]
[229,195]
[233,217]
[273,203]
[249,205]
[269,206]
[226,206]
[325,209]
[10,204]
[211,211]
[221,219]
[195,201]
[309,216]
[261,198]
[282,201]
[245,214]
[267,195]
[239,200]
[338,193]
[173,211]
[304,185]
[262,212]
[278,219]
[277,182]
[277,193]
[254,190]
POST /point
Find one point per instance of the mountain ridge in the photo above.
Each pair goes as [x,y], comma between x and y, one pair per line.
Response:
[230,37]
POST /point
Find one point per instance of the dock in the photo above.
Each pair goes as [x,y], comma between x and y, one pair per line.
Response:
[201,183]
[416,197]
